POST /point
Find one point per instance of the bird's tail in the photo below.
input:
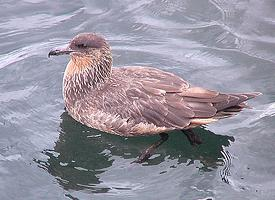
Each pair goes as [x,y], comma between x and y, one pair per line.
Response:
[235,104]
[251,95]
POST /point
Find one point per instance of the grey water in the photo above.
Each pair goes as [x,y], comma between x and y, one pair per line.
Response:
[226,45]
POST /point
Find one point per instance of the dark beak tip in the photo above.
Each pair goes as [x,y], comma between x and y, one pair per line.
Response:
[59,51]
[52,53]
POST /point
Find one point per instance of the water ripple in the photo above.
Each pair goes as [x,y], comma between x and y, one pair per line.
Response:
[225,171]
[38,21]
[26,52]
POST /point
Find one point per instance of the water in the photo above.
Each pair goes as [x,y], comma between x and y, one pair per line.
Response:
[218,44]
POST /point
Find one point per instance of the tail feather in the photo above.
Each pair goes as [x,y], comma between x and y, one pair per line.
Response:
[227,105]
[243,97]
[233,105]
[252,95]
[234,100]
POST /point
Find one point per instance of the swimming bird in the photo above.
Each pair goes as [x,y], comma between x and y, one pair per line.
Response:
[136,100]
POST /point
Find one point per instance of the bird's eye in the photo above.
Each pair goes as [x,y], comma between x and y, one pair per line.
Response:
[82,45]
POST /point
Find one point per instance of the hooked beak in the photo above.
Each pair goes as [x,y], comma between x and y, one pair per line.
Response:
[60,51]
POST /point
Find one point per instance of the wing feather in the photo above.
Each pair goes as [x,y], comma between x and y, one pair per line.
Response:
[140,100]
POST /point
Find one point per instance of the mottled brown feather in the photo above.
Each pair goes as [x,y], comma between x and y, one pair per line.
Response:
[136,100]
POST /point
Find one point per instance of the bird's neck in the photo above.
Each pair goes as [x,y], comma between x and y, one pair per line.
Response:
[83,74]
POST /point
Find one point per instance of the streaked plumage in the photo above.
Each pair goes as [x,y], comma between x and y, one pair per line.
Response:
[135,100]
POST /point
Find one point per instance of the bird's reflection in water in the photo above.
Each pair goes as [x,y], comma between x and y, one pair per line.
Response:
[81,154]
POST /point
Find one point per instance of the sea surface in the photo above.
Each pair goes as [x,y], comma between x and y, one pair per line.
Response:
[225,45]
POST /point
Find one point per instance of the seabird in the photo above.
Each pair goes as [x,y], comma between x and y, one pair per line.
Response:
[136,100]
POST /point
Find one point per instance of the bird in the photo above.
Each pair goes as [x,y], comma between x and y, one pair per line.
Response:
[137,100]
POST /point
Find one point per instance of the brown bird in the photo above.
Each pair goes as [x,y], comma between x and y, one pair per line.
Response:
[135,100]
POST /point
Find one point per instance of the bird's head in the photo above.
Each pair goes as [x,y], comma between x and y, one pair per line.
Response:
[86,50]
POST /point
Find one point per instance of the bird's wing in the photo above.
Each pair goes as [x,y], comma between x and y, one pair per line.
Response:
[167,100]
[139,95]
[158,97]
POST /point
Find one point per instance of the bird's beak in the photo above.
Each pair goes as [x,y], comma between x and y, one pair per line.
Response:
[60,51]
